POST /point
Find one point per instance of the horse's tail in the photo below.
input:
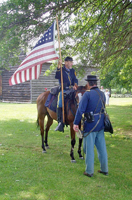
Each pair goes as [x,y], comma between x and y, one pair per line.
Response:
[37,122]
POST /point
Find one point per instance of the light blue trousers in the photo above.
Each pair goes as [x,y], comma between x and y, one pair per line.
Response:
[97,139]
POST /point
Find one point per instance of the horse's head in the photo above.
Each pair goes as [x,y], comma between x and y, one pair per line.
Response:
[72,101]
[79,93]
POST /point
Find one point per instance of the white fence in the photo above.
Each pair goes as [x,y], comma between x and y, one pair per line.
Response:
[121,95]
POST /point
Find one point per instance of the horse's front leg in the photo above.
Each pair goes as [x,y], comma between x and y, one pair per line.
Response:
[79,149]
[73,141]
[41,124]
[49,123]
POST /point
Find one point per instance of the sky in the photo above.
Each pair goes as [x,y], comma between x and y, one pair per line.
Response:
[1,1]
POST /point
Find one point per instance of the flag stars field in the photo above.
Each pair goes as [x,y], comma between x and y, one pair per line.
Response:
[43,51]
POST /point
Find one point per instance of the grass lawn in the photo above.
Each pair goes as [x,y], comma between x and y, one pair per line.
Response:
[28,174]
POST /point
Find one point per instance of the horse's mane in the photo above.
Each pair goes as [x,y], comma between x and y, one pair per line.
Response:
[81,87]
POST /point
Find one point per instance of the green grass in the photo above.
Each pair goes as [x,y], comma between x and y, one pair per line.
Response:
[28,174]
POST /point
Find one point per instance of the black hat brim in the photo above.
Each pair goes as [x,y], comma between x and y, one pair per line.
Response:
[91,79]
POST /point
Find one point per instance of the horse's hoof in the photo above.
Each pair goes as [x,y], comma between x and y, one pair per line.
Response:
[73,161]
[47,147]
[44,151]
[82,158]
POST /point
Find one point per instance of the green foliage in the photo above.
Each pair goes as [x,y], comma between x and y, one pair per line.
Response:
[101,37]
[53,66]
[119,74]
[21,21]
[99,33]
[28,174]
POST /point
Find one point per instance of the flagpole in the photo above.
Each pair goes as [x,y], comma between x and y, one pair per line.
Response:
[61,71]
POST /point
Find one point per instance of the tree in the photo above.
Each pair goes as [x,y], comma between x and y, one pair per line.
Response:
[103,32]
[100,31]
[119,74]
[21,21]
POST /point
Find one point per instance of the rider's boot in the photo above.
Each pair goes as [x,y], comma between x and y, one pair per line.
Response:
[60,126]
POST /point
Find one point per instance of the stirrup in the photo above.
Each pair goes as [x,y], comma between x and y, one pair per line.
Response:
[60,127]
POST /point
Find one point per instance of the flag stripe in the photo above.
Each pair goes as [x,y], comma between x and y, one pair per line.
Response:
[25,76]
[35,73]
[36,60]
[39,61]
[38,52]
[31,66]
[19,77]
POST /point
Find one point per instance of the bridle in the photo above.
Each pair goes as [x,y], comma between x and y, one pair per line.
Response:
[79,90]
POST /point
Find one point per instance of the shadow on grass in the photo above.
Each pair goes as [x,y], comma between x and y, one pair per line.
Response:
[25,134]
[26,173]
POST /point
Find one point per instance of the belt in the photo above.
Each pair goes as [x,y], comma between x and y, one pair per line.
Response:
[67,88]
[99,113]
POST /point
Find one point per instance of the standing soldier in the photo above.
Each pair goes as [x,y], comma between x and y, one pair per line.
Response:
[92,108]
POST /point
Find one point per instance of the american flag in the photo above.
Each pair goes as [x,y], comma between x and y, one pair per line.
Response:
[31,66]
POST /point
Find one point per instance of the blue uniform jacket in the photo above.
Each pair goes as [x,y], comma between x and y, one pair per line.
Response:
[69,77]
[88,103]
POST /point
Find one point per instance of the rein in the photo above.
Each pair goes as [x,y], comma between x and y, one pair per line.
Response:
[73,100]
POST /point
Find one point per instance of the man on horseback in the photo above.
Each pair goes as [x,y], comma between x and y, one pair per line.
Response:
[69,81]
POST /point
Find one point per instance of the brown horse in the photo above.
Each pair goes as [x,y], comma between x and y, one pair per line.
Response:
[70,111]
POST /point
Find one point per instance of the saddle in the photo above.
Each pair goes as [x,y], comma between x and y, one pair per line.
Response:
[55,90]
[51,102]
